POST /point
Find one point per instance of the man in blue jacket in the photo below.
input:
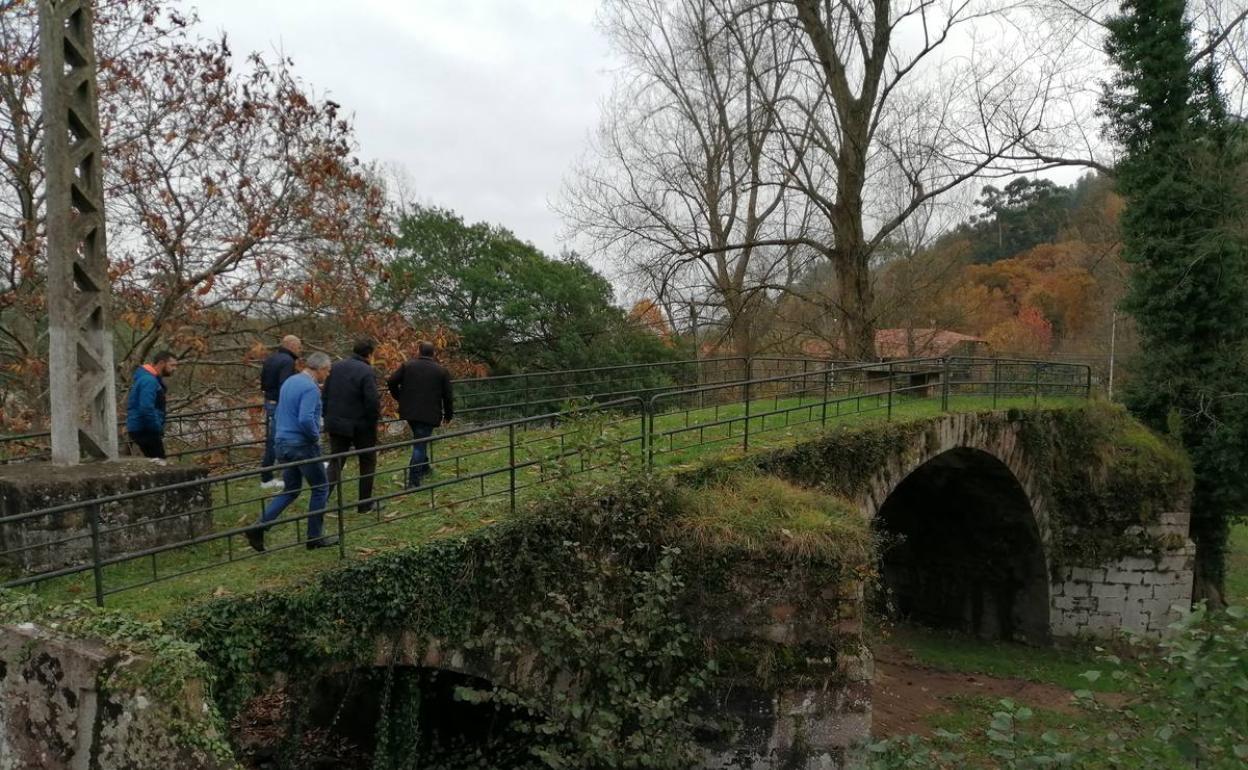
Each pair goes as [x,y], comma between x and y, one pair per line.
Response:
[277,368]
[145,406]
[297,439]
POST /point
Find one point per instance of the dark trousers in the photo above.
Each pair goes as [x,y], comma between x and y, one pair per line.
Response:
[362,438]
[418,466]
[150,443]
[313,472]
[270,455]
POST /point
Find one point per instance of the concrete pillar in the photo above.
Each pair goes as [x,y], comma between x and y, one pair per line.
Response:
[80,354]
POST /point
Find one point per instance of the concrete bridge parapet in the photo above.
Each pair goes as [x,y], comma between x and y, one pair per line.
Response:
[73,704]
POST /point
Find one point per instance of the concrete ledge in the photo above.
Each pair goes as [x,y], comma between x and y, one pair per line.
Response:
[59,712]
[63,539]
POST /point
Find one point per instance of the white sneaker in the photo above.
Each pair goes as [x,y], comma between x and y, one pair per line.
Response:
[273,484]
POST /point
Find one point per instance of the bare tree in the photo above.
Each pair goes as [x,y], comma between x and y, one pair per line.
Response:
[685,164]
[228,192]
[909,96]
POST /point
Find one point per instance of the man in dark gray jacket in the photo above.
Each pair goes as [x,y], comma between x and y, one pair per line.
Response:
[352,409]
[422,387]
[277,368]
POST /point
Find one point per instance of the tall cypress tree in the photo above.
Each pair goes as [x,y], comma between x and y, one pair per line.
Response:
[1189,281]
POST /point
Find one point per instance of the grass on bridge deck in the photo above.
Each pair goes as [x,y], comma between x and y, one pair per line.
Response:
[468,489]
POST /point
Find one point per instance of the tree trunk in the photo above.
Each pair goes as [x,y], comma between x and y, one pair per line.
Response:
[1211,536]
[851,260]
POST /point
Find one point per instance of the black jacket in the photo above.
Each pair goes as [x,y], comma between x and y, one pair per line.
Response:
[422,387]
[350,396]
[277,369]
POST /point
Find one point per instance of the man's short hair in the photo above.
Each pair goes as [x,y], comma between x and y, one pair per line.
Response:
[319,361]
[364,347]
[162,357]
[426,349]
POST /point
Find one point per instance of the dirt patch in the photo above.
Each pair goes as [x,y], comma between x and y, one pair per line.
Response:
[906,694]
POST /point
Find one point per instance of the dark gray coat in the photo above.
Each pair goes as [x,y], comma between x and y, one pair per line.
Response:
[422,387]
[350,397]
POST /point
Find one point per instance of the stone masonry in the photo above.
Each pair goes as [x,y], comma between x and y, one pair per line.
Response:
[64,539]
[1142,593]
[57,712]
[1137,594]
[817,714]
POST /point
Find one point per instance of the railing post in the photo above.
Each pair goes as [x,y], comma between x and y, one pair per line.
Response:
[996,380]
[341,465]
[890,391]
[745,440]
[647,432]
[1087,387]
[827,377]
[511,464]
[1035,388]
[944,384]
[97,570]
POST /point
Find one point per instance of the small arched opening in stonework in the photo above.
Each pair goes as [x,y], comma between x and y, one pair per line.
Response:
[390,717]
[962,549]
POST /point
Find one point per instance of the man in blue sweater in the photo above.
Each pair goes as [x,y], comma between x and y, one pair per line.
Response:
[145,405]
[297,438]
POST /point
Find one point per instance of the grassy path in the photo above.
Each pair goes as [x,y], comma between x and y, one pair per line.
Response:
[470,488]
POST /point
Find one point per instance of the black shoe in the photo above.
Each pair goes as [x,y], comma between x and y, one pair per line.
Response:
[370,508]
[255,538]
[321,542]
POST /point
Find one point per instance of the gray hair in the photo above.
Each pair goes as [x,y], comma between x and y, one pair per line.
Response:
[319,361]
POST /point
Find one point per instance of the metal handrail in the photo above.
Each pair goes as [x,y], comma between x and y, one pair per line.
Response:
[817,391]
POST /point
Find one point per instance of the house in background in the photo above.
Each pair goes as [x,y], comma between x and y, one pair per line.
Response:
[898,344]
[894,344]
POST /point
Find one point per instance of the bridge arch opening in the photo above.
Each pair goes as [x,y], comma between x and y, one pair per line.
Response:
[962,549]
[386,716]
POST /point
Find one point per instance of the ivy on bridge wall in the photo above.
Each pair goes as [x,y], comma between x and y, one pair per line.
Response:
[1107,478]
[611,613]
[605,614]
[1104,475]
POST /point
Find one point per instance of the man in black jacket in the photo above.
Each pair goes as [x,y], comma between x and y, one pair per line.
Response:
[422,387]
[352,408]
[277,368]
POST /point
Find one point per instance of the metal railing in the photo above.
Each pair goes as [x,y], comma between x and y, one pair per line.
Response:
[201,524]
[223,437]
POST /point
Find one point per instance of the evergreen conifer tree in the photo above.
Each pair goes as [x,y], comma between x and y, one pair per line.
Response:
[1189,282]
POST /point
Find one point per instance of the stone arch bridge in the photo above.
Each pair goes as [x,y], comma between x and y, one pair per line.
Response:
[1029,525]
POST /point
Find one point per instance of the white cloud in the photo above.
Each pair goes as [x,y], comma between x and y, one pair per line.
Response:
[485,102]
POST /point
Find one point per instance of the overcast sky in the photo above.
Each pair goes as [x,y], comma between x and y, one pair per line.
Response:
[486,103]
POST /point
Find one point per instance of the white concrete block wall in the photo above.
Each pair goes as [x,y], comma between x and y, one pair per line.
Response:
[1140,594]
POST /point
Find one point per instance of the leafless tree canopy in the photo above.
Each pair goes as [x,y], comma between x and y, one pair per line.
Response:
[749,137]
[229,188]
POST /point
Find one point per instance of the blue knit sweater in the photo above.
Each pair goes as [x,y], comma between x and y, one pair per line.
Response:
[298,413]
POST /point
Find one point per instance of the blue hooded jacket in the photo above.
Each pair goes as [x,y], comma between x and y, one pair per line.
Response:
[145,406]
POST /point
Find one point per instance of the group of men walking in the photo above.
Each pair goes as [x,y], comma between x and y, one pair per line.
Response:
[343,396]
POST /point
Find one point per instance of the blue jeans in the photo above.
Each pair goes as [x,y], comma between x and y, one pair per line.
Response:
[270,455]
[418,466]
[293,478]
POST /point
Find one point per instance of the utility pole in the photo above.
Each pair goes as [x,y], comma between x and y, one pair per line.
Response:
[80,338]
